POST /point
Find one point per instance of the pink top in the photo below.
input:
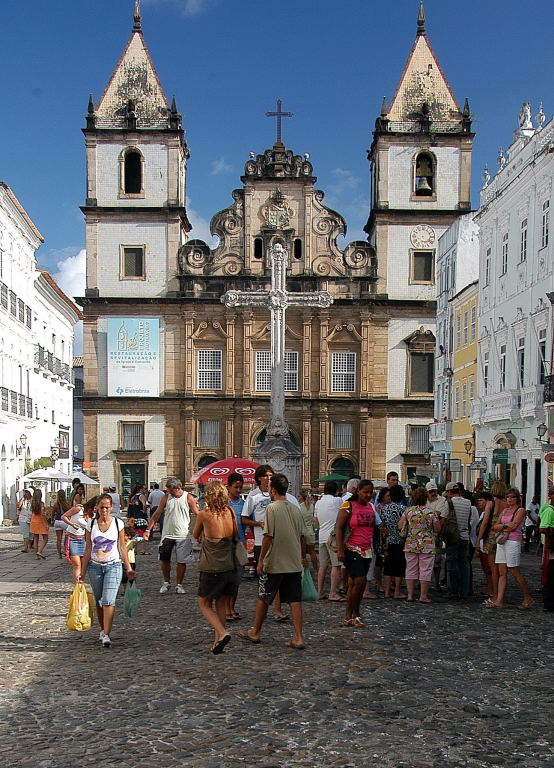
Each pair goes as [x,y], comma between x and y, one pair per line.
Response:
[362,523]
[506,517]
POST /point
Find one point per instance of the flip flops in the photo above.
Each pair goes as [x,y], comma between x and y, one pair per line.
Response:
[219,647]
[243,633]
[296,647]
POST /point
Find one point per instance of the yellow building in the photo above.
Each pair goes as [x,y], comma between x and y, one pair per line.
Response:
[464,378]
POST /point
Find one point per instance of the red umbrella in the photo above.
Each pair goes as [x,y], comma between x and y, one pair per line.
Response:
[220,470]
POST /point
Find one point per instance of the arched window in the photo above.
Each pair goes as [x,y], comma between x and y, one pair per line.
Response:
[132,173]
[343,466]
[258,248]
[298,248]
[424,177]
[205,460]
[421,362]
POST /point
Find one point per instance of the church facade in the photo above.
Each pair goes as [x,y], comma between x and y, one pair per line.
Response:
[173,379]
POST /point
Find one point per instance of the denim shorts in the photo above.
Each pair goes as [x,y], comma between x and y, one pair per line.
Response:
[77,546]
[25,529]
[105,581]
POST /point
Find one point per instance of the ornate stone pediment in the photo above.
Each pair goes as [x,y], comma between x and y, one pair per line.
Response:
[209,331]
[345,332]
[264,333]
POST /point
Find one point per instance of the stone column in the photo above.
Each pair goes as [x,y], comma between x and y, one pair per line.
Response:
[366,362]
[324,318]
[247,354]
[230,362]
[189,441]
[306,445]
[323,440]
[229,435]
[306,371]
[188,356]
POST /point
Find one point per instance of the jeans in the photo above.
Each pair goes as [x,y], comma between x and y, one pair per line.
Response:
[105,581]
[457,569]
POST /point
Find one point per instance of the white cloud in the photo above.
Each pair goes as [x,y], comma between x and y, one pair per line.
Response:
[200,227]
[188,7]
[71,277]
[220,166]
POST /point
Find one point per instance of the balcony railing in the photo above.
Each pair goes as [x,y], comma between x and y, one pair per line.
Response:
[49,362]
[532,401]
[476,409]
[13,402]
[501,406]
[418,439]
[549,389]
[439,431]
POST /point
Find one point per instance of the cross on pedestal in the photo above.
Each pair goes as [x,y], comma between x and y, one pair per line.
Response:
[277,300]
[279,115]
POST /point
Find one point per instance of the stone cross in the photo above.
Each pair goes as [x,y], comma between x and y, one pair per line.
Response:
[279,115]
[277,301]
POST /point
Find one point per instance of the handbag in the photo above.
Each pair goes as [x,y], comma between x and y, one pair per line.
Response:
[332,540]
[240,553]
[501,537]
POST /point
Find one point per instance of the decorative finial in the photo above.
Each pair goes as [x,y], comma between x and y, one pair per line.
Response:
[486,177]
[173,104]
[90,105]
[465,111]
[540,117]
[137,26]
[421,19]
[91,114]
[384,107]
[174,116]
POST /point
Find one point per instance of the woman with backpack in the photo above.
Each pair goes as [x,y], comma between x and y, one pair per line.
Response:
[354,529]
[105,557]
[508,549]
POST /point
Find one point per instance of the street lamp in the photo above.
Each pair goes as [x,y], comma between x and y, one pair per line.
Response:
[468,445]
[54,453]
[23,440]
[542,429]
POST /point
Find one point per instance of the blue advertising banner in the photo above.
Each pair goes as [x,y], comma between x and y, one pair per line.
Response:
[133,357]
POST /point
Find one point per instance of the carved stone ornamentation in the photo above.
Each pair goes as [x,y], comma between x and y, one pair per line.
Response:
[193,257]
[276,213]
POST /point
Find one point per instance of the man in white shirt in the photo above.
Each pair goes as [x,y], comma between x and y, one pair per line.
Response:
[326,511]
[116,500]
[351,486]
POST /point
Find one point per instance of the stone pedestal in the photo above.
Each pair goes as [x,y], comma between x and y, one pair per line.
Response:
[284,457]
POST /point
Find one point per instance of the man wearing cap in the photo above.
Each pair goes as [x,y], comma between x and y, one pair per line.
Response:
[438,504]
[457,555]
[116,500]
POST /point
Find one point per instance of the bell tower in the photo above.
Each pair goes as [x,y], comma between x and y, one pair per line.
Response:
[136,167]
[420,163]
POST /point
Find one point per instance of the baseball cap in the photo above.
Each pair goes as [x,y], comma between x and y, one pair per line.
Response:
[113,487]
[431,486]
[452,487]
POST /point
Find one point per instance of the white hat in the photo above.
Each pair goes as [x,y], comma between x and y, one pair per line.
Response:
[431,486]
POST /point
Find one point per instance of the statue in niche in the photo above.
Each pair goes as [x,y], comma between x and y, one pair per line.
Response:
[525,116]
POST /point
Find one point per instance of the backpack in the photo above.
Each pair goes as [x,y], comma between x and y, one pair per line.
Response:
[450,533]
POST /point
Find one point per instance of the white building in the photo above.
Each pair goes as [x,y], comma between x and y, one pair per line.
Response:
[36,347]
[515,330]
[457,267]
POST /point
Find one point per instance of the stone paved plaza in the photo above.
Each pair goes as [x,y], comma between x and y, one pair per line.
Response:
[422,686]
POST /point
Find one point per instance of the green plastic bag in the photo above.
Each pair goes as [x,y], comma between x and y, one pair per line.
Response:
[132,600]
[309,592]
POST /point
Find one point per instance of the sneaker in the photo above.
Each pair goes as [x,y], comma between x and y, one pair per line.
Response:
[106,642]
[180,589]
[101,635]
[164,588]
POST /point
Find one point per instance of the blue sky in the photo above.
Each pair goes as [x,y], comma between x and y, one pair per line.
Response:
[227,61]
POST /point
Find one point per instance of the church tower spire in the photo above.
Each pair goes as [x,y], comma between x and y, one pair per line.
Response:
[421,19]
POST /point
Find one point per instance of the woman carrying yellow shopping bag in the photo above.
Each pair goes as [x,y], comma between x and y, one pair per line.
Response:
[104,552]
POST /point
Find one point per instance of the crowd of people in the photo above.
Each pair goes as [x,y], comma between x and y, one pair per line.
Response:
[374,541]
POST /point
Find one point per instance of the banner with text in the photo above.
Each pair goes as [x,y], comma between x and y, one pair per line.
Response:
[133,357]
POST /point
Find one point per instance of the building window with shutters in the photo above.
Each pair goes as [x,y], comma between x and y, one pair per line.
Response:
[423,267]
[343,372]
[523,241]
[521,360]
[457,403]
[208,433]
[458,331]
[485,372]
[502,366]
[132,262]
[209,369]
[464,400]
[466,327]
[418,438]
[262,374]
[473,323]
[421,362]
[132,435]
[342,436]
[487,269]
[542,355]
[545,223]
[505,247]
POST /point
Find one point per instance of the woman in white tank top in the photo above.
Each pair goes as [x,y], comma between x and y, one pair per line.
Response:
[105,549]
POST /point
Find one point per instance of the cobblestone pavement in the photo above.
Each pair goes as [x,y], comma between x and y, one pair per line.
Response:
[422,686]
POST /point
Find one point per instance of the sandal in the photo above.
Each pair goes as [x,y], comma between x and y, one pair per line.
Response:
[348,622]
[525,606]
[357,622]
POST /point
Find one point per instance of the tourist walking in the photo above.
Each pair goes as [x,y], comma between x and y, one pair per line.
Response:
[78,521]
[391,510]
[104,554]
[23,516]
[307,509]
[137,514]
[235,483]
[60,507]
[154,498]
[177,506]
[547,530]
[531,521]
[355,550]
[216,528]
[420,525]
[508,552]
[485,507]
[487,533]
[326,512]
[38,526]
[78,495]
[116,500]
[280,564]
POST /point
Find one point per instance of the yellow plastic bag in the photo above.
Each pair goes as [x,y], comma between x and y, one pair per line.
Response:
[90,598]
[78,616]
